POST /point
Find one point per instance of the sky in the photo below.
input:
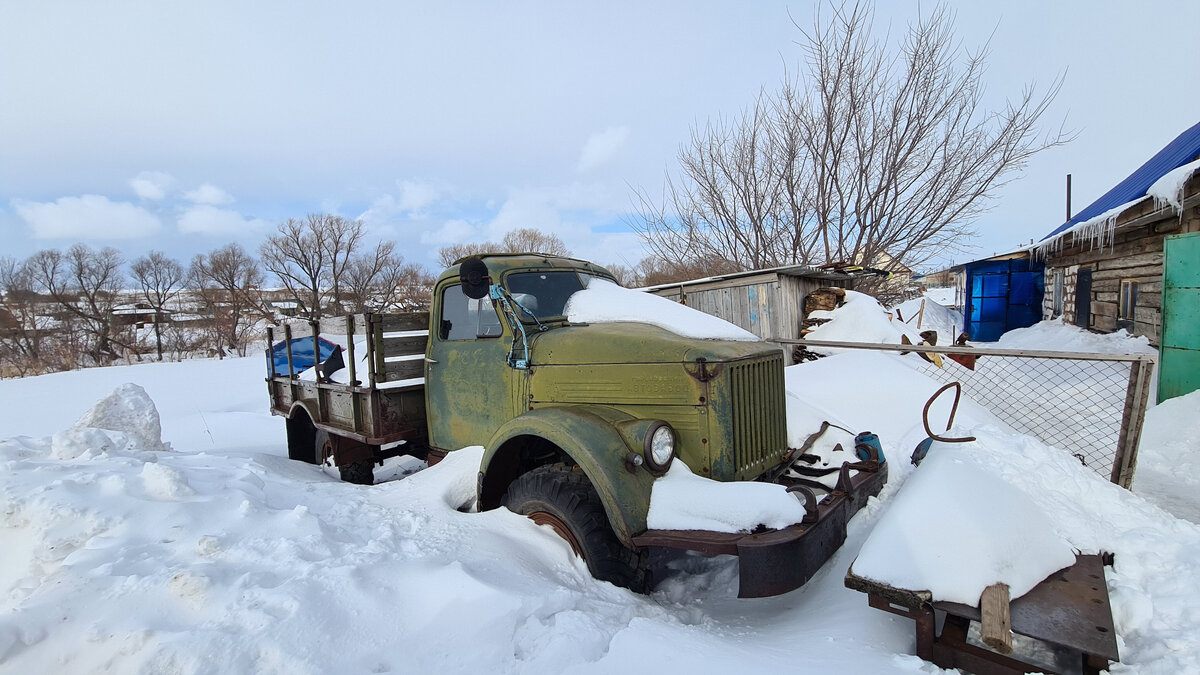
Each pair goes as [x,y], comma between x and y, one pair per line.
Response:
[183,126]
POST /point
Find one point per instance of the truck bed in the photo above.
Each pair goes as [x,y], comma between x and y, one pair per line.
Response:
[382,398]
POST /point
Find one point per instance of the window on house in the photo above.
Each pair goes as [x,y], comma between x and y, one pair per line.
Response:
[1128,301]
[1058,294]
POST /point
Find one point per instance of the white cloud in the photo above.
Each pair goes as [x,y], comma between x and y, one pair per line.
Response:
[209,194]
[86,217]
[210,220]
[601,147]
[152,185]
[452,232]
[415,196]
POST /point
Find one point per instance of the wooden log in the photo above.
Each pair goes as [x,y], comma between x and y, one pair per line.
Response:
[996,623]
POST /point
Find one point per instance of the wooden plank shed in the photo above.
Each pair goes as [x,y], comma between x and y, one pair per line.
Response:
[768,303]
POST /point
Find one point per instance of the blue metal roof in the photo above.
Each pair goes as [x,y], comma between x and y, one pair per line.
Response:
[1178,152]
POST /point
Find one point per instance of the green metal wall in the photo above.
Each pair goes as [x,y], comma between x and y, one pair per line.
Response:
[1179,356]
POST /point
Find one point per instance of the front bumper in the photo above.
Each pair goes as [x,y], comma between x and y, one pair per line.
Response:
[778,561]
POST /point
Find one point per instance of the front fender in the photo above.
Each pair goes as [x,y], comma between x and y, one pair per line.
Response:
[591,437]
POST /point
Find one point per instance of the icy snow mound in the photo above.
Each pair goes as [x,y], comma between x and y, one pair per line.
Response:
[605,302]
[681,500]
[922,314]
[860,319]
[1168,189]
[957,528]
[1055,335]
[1168,469]
[130,412]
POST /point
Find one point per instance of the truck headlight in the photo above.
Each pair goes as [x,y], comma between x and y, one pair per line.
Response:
[660,447]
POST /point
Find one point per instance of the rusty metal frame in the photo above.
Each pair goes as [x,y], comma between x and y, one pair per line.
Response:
[1070,611]
[778,561]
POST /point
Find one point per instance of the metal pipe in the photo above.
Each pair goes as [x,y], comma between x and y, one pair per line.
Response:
[1068,198]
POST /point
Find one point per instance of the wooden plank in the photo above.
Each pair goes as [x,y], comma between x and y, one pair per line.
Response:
[400,346]
[337,325]
[404,370]
[401,322]
[996,623]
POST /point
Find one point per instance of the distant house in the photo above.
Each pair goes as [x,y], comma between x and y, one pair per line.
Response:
[1131,260]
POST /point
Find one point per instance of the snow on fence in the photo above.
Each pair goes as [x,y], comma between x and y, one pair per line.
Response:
[1091,405]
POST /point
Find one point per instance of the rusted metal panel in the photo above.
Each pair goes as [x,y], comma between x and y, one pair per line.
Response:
[1070,611]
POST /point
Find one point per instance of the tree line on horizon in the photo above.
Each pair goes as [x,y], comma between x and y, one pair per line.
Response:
[83,306]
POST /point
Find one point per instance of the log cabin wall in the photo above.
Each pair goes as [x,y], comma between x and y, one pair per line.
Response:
[1135,255]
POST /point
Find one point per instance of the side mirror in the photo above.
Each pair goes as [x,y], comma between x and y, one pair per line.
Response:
[475,280]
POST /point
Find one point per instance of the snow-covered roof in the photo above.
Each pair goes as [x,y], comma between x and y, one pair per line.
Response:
[786,270]
[1166,171]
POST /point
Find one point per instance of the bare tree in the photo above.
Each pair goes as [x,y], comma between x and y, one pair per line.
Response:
[227,281]
[84,283]
[653,271]
[380,281]
[311,256]
[448,255]
[521,240]
[161,279]
[875,158]
[529,240]
[24,327]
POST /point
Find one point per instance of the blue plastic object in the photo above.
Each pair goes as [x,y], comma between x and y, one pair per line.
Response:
[921,450]
[867,444]
[302,354]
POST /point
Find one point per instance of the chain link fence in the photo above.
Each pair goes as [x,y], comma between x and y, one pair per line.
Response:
[1091,405]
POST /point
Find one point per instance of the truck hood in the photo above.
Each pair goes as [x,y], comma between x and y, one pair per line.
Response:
[629,342]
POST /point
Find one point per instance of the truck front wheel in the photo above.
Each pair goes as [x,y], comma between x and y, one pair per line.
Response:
[564,499]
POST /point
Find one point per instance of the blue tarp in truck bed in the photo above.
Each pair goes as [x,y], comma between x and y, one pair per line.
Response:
[302,354]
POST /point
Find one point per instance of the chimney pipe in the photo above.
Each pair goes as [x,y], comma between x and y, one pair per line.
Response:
[1068,198]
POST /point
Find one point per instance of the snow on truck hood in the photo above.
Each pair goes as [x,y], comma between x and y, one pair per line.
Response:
[605,302]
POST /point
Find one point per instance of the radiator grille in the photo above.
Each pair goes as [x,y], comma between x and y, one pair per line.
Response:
[759,414]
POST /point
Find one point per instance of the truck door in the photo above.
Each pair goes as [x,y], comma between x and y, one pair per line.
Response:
[468,382]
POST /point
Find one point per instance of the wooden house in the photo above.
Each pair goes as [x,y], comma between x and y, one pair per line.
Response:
[1131,260]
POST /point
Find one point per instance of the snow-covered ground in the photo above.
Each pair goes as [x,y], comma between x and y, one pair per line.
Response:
[220,555]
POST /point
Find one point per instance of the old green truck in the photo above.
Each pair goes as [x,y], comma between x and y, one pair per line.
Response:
[577,420]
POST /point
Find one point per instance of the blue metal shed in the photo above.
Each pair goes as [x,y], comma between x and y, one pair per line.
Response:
[1002,295]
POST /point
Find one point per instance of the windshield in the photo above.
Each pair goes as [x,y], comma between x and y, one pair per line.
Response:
[545,294]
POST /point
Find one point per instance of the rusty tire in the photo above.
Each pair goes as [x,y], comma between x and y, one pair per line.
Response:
[323,446]
[564,499]
[361,472]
